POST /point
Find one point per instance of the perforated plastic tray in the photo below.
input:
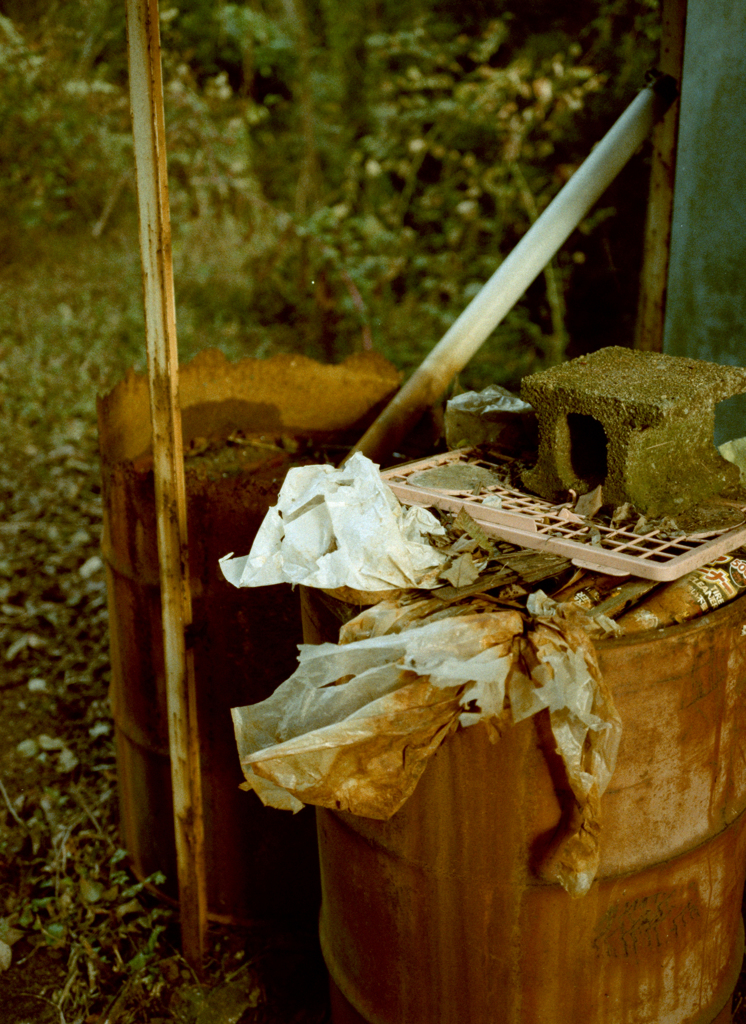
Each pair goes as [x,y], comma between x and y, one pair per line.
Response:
[531,522]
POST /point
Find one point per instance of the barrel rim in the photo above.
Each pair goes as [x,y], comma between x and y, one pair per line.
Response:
[701,623]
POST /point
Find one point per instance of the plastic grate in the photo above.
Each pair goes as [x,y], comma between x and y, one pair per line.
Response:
[531,522]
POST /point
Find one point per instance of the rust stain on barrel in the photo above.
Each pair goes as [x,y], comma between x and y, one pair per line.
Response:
[261,862]
[439,914]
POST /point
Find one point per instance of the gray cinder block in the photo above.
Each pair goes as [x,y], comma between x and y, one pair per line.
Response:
[641,424]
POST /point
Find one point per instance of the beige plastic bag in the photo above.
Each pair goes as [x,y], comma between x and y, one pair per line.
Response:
[352,729]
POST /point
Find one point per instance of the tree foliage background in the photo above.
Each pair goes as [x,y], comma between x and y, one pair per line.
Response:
[342,175]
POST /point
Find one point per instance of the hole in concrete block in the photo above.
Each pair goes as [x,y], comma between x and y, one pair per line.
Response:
[730,419]
[588,448]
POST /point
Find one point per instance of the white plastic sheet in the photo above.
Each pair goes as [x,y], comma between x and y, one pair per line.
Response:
[337,528]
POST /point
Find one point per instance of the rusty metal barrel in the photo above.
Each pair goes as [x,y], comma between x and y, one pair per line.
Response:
[439,916]
[261,863]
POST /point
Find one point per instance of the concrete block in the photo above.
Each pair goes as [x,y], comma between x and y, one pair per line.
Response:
[641,424]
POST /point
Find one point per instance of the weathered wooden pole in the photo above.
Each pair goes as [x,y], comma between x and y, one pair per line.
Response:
[146,98]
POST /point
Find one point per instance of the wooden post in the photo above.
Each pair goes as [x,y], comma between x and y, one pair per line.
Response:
[146,98]
[651,309]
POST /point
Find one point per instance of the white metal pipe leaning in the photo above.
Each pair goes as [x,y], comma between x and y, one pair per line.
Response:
[517,271]
[146,99]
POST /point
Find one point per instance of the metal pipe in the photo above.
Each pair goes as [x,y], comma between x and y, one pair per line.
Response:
[146,98]
[498,296]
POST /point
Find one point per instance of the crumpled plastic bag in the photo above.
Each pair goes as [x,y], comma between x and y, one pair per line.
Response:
[337,528]
[485,417]
[353,727]
[587,730]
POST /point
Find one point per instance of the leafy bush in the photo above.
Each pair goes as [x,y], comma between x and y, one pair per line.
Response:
[63,136]
[341,175]
[462,140]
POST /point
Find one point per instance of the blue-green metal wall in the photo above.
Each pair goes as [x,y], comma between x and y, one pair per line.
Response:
[706,300]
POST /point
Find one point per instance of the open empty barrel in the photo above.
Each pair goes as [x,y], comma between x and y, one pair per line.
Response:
[439,916]
[261,863]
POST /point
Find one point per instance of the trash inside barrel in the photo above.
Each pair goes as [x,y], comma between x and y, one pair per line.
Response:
[524,814]
[244,425]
